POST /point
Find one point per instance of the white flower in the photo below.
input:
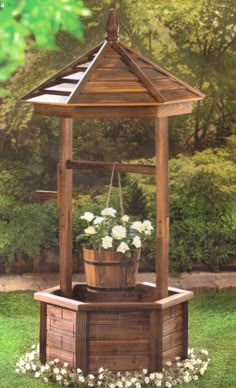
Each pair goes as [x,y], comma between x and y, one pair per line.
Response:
[108,211]
[66,364]
[17,370]
[147,380]
[169,385]
[91,377]
[137,242]
[37,375]
[56,360]
[87,216]
[138,385]
[123,247]
[100,370]
[63,371]
[58,377]
[133,380]
[137,225]
[147,227]
[107,242]
[112,385]
[98,220]
[118,232]
[81,379]
[33,347]
[90,230]
[158,383]
[168,363]
[119,384]
[45,379]
[56,371]
[125,218]
[145,371]
[128,384]
[78,370]
[152,376]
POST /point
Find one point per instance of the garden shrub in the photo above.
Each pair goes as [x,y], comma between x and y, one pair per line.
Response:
[25,229]
[202,208]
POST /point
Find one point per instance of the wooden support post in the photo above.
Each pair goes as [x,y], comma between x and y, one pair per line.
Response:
[156,340]
[43,332]
[162,213]
[185,330]
[82,342]
[65,204]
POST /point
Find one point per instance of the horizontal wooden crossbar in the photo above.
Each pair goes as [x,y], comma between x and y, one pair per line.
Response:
[103,166]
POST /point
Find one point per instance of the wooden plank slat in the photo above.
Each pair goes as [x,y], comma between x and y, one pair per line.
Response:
[58,341]
[119,318]
[169,355]
[112,332]
[106,112]
[61,326]
[54,311]
[82,342]
[172,325]
[140,74]
[162,212]
[116,98]
[118,347]
[174,299]
[68,314]
[104,166]
[179,94]
[172,340]
[113,63]
[42,332]
[62,355]
[111,87]
[119,364]
[113,75]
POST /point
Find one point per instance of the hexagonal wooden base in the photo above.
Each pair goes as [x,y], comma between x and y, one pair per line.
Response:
[121,331]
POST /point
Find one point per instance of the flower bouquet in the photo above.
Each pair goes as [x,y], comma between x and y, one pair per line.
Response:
[111,248]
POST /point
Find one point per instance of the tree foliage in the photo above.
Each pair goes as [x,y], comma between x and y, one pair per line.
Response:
[27,23]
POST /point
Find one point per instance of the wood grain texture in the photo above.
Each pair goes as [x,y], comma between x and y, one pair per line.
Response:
[42,332]
[185,330]
[162,211]
[80,112]
[42,195]
[110,269]
[90,69]
[105,166]
[82,342]
[65,214]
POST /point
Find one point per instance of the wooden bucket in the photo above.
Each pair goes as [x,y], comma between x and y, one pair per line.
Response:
[110,270]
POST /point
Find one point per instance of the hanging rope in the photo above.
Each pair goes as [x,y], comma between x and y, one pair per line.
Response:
[120,189]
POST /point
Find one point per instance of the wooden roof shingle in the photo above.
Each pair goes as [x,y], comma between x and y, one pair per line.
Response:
[112,74]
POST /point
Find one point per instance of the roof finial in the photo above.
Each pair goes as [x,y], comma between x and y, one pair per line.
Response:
[112,26]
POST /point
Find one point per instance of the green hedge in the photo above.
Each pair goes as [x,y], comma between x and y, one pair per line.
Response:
[202,213]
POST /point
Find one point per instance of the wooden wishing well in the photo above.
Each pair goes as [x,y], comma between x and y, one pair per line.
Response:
[120,330]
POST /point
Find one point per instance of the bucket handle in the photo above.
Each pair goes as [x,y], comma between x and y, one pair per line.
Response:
[120,189]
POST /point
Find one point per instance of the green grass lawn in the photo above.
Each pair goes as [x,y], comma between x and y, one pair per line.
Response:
[212,326]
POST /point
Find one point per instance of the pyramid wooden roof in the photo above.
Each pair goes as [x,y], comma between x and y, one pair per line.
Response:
[112,75]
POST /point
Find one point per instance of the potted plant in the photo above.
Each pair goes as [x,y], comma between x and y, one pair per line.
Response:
[111,249]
